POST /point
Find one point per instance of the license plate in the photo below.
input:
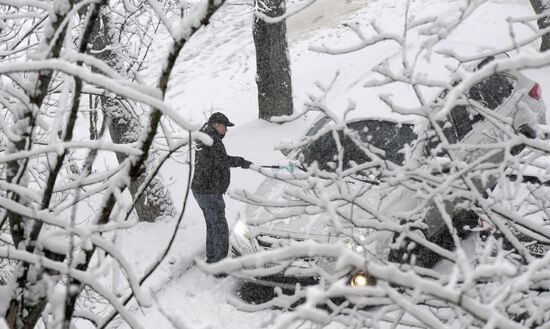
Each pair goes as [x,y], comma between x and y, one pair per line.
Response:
[538,249]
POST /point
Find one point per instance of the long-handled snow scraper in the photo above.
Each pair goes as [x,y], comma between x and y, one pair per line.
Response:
[290,167]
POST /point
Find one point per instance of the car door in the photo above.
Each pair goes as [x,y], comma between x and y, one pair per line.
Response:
[465,125]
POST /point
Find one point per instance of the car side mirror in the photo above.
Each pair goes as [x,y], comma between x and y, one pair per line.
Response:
[526,131]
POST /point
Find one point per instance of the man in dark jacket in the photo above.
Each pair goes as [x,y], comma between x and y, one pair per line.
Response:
[210,181]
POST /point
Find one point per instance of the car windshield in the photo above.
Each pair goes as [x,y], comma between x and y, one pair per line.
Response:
[387,136]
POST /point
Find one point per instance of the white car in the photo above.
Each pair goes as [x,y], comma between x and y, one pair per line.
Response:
[247,239]
[368,144]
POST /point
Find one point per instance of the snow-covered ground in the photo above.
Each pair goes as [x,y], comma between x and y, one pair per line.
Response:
[216,71]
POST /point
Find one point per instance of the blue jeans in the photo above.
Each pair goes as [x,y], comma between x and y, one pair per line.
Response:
[217,232]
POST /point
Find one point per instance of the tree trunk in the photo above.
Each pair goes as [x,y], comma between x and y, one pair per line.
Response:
[541,6]
[24,308]
[272,62]
[125,127]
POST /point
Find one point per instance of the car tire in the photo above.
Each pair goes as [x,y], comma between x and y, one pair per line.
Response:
[463,221]
[417,254]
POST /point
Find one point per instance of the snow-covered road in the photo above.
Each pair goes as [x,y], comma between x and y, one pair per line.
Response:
[319,15]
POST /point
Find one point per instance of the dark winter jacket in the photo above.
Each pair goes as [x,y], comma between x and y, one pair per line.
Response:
[212,165]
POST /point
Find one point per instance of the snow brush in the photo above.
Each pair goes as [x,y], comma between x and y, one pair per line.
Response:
[290,167]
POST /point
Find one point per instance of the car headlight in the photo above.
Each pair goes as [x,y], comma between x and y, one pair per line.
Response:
[240,239]
[240,229]
[359,279]
[351,244]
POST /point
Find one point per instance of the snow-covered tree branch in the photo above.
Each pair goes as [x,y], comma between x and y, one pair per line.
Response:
[440,206]
[53,55]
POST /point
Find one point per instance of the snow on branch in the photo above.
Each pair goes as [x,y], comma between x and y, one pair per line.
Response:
[129,90]
[454,234]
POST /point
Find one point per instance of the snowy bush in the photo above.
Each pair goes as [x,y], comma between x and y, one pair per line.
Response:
[70,70]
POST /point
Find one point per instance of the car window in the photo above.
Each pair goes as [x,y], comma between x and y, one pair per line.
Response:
[461,121]
[390,137]
[493,91]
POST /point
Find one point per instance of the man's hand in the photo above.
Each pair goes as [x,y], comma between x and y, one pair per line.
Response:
[246,164]
[243,163]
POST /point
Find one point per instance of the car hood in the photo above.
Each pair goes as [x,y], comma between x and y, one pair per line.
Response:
[311,223]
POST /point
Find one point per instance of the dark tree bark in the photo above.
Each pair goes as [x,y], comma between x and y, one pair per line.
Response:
[125,126]
[24,310]
[273,77]
[543,6]
[29,296]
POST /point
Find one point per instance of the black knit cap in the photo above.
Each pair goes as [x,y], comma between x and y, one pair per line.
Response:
[220,118]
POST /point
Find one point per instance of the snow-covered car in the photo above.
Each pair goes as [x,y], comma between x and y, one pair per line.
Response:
[363,145]
[387,136]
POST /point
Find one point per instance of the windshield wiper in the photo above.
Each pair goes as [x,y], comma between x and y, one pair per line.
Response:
[365,180]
